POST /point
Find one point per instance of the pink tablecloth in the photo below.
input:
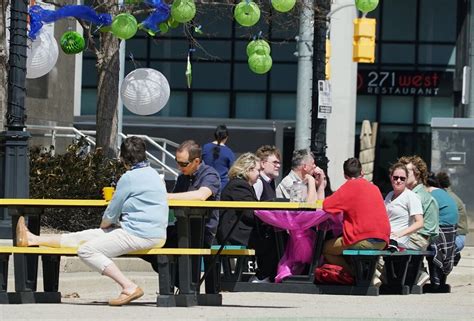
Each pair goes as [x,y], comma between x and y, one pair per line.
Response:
[299,250]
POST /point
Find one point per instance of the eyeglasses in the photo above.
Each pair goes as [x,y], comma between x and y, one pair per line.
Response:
[274,163]
[396,178]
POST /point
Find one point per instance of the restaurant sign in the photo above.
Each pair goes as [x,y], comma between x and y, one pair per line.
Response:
[405,83]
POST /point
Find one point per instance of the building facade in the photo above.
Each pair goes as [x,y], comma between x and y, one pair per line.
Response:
[420,53]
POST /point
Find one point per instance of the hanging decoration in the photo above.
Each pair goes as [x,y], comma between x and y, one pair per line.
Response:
[189,71]
[258,51]
[259,46]
[247,13]
[72,42]
[260,64]
[39,16]
[42,55]
[156,18]
[366,5]
[183,10]
[124,26]
[145,91]
[283,5]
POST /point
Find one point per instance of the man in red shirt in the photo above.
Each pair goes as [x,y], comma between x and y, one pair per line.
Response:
[365,220]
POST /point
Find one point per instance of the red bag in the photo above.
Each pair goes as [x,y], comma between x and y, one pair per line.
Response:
[332,274]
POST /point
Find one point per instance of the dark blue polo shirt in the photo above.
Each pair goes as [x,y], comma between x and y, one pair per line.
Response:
[205,176]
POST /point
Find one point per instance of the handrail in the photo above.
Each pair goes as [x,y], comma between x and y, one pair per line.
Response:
[86,134]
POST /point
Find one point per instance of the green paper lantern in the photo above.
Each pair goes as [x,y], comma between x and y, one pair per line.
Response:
[283,5]
[124,26]
[260,64]
[183,10]
[247,14]
[72,42]
[366,5]
[260,47]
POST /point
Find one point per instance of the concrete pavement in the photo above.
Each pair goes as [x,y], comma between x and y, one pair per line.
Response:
[86,294]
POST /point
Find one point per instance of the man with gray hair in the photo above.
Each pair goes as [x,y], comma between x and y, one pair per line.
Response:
[304,170]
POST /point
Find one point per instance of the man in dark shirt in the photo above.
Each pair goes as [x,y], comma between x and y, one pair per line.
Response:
[198,181]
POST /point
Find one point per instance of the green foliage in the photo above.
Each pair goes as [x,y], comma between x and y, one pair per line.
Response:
[76,174]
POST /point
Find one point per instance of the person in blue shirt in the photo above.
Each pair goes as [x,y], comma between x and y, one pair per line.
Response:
[218,155]
[441,264]
[135,219]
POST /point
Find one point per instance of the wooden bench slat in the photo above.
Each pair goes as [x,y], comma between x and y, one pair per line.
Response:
[73,251]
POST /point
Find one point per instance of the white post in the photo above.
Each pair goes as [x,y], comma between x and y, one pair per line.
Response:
[305,75]
[119,100]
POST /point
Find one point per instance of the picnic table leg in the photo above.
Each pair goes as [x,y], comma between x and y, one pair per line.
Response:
[166,286]
[4,277]
[187,296]
[51,272]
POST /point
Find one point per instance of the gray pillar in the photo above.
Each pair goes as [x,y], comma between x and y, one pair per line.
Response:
[305,75]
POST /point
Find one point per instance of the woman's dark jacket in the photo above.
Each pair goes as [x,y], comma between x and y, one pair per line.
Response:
[236,190]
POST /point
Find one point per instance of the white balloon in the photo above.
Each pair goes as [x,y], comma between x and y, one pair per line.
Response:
[42,55]
[145,91]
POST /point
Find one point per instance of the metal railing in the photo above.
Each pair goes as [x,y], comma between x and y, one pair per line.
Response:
[161,145]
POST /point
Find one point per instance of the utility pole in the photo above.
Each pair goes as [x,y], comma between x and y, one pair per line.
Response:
[318,126]
[305,76]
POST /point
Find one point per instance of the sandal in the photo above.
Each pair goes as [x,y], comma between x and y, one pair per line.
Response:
[125,298]
[21,233]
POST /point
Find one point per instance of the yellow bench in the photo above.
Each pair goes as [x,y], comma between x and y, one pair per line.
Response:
[73,251]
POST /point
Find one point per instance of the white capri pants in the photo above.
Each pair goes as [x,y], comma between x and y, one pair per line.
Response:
[97,246]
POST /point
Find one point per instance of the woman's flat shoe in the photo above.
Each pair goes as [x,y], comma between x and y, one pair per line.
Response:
[126,298]
[21,233]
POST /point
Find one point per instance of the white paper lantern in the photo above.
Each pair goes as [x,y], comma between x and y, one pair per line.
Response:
[145,91]
[42,55]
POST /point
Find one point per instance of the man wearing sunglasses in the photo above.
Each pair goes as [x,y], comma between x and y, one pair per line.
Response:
[197,181]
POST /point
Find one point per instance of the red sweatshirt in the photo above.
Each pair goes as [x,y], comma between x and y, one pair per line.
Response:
[364,214]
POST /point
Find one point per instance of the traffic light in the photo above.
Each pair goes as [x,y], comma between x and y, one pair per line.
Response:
[364,40]
[328,55]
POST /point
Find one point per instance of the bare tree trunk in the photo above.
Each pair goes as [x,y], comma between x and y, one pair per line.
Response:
[107,89]
[3,64]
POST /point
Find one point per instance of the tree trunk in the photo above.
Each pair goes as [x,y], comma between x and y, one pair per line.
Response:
[108,83]
[3,64]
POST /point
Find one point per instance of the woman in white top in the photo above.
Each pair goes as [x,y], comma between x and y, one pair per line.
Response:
[404,209]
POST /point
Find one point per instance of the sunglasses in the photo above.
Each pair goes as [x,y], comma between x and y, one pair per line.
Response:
[396,178]
[183,164]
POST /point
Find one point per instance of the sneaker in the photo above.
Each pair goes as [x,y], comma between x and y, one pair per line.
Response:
[255,279]
[423,279]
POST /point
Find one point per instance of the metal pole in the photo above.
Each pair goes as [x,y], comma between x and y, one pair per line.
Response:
[318,126]
[304,81]
[14,166]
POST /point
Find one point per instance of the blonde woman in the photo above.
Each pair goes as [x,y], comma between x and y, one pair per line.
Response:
[243,174]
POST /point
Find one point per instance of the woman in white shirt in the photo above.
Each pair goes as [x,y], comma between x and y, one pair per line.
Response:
[404,208]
